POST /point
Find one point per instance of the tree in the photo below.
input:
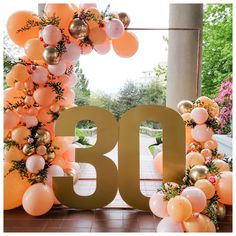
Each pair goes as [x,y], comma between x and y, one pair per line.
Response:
[82,92]
[217,47]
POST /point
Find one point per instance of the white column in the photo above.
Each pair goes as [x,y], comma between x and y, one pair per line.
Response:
[41,9]
[183,53]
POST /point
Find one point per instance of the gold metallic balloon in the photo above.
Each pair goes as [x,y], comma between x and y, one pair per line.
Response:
[195,147]
[220,210]
[51,55]
[198,172]
[49,156]
[78,28]
[124,18]
[184,106]
[28,149]
[43,136]
[72,172]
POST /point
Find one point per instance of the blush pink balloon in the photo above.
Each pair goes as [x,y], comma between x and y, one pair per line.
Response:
[53,171]
[114,29]
[196,197]
[40,75]
[30,121]
[69,97]
[11,119]
[51,35]
[103,48]
[72,52]
[38,199]
[73,165]
[72,80]
[58,69]
[199,115]
[202,133]
[69,155]
[167,224]
[158,205]
[87,5]
[35,163]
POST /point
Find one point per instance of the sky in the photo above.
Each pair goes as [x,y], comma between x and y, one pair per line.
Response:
[109,72]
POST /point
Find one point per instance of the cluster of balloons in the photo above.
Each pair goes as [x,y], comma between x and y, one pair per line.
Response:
[38,91]
[186,212]
[79,30]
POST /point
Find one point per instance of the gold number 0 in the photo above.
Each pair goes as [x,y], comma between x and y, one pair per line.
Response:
[128,152]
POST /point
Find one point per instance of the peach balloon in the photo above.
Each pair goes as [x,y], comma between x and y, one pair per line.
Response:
[34,49]
[51,35]
[10,80]
[179,208]
[221,165]
[32,111]
[20,135]
[58,69]
[61,143]
[69,154]
[53,171]
[38,199]
[198,223]
[35,163]
[55,107]
[206,152]
[14,188]
[202,133]
[97,35]
[214,110]
[206,101]
[93,22]
[206,186]
[40,75]
[167,224]
[188,135]
[29,121]
[45,116]
[63,11]
[210,144]
[11,119]
[103,48]
[51,128]
[158,162]
[12,95]
[87,5]
[29,100]
[224,187]
[194,158]
[18,20]
[158,205]
[210,227]
[44,96]
[19,85]
[13,154]
[126,46]
[196,197]
[69,97]
[59,161]
[199,115]
[19,72]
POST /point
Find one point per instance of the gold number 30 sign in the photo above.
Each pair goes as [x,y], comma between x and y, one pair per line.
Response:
[126,133]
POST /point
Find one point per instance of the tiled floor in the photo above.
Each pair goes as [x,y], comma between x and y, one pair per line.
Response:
[116,217]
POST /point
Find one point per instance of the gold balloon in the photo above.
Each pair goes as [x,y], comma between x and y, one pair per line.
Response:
[28,149]
[43,136]
[41,150]
[78,28]
[51,55]
[185,106]
[124,18]
[198,172]
[71,172]
[220,210]
[49,156]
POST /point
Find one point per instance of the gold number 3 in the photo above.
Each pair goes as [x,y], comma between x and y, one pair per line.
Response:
[126,178]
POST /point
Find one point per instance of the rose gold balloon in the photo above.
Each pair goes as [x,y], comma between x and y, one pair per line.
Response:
[20,135]
[207,187]
[38,199]
[13,195]
[194,158]
[179,208]
[224,187]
